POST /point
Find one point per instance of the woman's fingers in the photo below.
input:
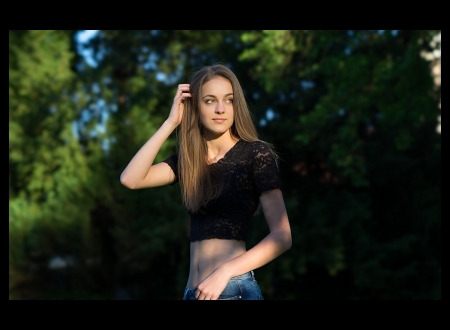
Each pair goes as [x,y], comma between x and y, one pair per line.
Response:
[176,112]
[182,92]
[200,295]
[183,87]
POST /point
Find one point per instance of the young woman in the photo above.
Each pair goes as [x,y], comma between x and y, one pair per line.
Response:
[224,172]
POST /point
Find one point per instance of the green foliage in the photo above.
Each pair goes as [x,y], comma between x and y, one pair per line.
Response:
[360,125]
[49,203]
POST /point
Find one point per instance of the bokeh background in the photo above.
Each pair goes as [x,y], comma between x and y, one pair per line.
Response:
[353,114]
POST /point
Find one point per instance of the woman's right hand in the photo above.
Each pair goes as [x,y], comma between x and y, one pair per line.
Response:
[176,113]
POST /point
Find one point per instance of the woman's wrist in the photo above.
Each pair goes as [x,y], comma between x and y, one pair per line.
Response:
[170,123]
[227,270]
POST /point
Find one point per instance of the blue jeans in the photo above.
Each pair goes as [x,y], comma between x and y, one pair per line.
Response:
[242,287]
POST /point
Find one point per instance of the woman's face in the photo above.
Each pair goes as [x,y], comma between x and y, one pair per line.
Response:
[216,107]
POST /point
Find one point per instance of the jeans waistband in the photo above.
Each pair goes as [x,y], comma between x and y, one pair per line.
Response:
[249,274]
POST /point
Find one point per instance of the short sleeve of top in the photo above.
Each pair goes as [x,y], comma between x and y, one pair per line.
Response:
[172,161]
[266,175]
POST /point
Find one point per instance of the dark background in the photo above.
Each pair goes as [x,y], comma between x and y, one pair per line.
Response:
[353,114]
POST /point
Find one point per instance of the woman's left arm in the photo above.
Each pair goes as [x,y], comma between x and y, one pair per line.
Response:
[275,243]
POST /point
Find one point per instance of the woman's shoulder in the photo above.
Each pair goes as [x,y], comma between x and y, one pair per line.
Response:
[256,151]
[256,146]
[255,143]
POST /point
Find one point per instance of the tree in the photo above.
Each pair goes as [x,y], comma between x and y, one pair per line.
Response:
[49,177]
[362,166]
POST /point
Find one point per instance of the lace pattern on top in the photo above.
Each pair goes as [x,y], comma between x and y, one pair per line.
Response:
[248,169]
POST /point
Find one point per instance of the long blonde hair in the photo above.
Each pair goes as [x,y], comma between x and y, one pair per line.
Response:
[198,181]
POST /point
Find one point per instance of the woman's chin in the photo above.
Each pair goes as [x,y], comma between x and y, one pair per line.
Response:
[214,134]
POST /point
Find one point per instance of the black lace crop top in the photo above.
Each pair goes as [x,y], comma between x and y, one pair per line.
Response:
[249,169]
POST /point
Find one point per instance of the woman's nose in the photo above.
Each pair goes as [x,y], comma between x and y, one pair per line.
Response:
[220,108]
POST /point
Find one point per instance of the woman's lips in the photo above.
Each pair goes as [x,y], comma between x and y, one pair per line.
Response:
[219,121]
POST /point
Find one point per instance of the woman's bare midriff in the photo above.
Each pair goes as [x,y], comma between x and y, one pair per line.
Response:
[209,254]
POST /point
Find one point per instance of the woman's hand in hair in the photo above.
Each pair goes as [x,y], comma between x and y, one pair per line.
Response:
[176,113]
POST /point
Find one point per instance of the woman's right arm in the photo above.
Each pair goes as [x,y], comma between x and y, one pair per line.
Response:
[140,171]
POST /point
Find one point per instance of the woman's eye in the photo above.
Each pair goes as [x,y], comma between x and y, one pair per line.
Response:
[210,101]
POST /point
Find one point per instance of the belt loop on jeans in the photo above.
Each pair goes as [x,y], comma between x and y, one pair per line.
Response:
[253,274]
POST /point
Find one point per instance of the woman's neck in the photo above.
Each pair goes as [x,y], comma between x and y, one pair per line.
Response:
[218,146]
